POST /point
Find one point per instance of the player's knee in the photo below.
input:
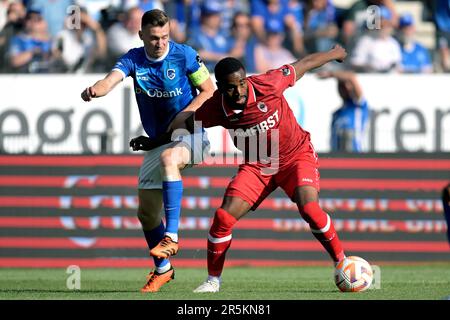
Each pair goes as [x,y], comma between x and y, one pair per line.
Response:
[222,224]
[168,158]
[174,158]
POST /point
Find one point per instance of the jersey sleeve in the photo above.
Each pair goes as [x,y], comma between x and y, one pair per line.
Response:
[196,69]
[280,79]
[362,103]
[207,115]
[16,46]
[258,8]
[125,64]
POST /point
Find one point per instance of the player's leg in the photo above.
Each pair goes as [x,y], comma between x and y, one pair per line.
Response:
[187,152]
[219,240]
[300,181]
[245,192]
[321,225]
[172,159]
[149,214]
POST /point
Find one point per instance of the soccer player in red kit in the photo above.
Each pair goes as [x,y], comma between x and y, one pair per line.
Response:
[254,106]
[258,117]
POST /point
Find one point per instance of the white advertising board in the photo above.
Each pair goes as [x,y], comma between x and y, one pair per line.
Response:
[45,114]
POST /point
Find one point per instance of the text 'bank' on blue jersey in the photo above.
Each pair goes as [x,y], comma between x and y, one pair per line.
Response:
[163,87]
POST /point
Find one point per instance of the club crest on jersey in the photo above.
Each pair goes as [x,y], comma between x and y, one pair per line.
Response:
[170,74]
[262,106]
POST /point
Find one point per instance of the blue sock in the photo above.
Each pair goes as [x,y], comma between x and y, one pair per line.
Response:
[153,237]
[172,195]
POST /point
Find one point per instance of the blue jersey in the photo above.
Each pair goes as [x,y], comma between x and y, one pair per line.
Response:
[273,18]
[442,15]
[163,87]
[320,19]
[39,62]
[348,126]
[218,43]
[416,60]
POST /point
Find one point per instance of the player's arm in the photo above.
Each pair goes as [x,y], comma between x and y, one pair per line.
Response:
[102,87]
[195,121]
[318,59]
[205,86]
[146,144]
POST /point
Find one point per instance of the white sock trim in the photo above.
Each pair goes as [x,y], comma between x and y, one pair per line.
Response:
[171,178]
[163,269]
[214,279]
[324,229]
[218,240]
[173,236]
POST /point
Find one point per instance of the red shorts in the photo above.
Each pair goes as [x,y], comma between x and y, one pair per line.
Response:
[253,186]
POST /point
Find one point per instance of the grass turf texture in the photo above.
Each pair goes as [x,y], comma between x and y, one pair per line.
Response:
[426,282]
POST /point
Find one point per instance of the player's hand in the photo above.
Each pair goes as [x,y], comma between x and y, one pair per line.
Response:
[141,143]
[339,53]
[88,94]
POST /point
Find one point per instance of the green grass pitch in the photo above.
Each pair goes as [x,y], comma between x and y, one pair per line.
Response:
[407,282]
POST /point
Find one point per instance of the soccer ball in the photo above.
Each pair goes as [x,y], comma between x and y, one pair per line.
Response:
[353,274]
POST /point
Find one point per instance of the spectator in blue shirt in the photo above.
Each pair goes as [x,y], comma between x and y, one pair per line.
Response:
[177,11]
[229,9]
[441,13]
[243,41]
[265,13]
[211,43]
[349,122]
[30,51]
[415,57]
[320,27]
[270,54]
[296,8]
[53,11]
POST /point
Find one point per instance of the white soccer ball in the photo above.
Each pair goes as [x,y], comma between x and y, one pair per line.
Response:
[353,274]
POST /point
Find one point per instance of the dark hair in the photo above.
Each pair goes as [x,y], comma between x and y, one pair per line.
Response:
[226,66]
[155,18]
[235,17]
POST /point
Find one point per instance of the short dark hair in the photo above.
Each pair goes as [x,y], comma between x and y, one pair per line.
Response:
[226,66]
[155,18]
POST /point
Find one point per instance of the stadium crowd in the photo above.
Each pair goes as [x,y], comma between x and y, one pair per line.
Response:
[87,36]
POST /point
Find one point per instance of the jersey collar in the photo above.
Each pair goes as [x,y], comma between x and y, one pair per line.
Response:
[160,58]
[251,98]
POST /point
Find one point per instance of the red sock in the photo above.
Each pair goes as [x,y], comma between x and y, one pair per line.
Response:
[323,229]
[219,240]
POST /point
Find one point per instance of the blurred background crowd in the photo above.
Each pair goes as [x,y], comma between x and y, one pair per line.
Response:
[87,36]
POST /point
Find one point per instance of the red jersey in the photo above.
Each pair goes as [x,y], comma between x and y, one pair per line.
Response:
[267,114]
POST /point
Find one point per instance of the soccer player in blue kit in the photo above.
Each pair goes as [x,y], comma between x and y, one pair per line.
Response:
[166,78]
[349,122]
